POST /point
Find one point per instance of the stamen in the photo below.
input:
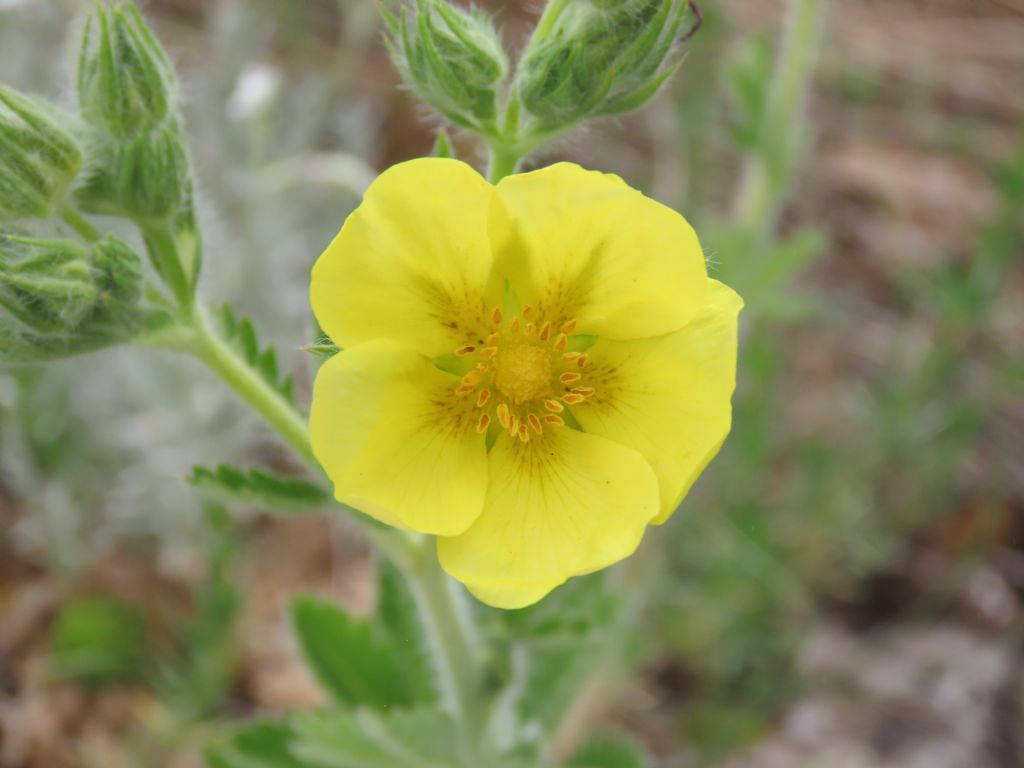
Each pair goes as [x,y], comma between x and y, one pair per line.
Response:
[503,417]
[514,425]
[573,399]
[493,339]
[488,352]
[585,391]
[523,433]
[561,342]
[571,355]
[496,316]
[465,389]
[558,421]
[535,423]
[514,325]
[473,377]
[485,395]
[545,332]
[554,406]
[469,349]
[569,378]
[569,327]
[483,424]
[582,360]
[531,328]
[528,312]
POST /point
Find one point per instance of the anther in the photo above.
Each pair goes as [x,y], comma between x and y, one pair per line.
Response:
[569,327]
[571,355]
[514,325]
[554,406]
[528,311]
[502,412]
[473,378]
[493,339]
[488,352]
[485,395]
[523,433]
[545,332]
[531,328]
[582,360]
[561,342]
[465,389]
[569,378]
[585,391]
[558,421]
[535,423]
[573,399]
[514,425]
[469,349]
[496,316]
[483,424]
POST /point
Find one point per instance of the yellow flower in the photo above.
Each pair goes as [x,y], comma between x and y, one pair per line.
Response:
[533,371]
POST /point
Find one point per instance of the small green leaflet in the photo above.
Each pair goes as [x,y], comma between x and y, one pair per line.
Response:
[258,488]
[241,334]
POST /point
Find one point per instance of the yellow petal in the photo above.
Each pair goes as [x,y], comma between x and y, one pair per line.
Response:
[396,442]
[668,398]
[412,263]
[583,245]
[564,504]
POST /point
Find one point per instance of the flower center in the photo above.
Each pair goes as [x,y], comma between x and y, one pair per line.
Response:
[523,372]
[524,377]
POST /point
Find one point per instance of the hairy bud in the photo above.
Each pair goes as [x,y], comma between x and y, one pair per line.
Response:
[62,298]
[452,59]
[598,58]
[38,157]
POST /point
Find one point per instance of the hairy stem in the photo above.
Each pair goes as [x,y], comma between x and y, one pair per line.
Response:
[79,223]
[769,170]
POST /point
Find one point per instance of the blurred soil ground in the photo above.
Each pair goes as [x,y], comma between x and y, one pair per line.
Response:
[895,685]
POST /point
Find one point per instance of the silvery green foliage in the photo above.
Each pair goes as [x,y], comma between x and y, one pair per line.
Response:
[38,157]
[62,298]
[597,58]
[452,59]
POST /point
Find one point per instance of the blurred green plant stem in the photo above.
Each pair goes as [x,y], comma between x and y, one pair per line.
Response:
[770,167]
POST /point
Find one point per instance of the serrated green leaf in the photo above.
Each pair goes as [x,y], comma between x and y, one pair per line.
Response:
[355,662]
[259,488]
[241,334]
[397,615]
[257,745]
[610,751]
[423,738]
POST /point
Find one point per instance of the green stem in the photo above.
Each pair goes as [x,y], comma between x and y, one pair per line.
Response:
[549,18]
[504,162]
[448,628]
[252,388]
[163,252]
[770,168]
[77,222]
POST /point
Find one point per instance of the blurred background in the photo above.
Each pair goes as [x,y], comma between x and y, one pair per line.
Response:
[841,589]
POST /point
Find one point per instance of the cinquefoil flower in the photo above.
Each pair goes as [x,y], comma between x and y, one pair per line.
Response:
[533,371]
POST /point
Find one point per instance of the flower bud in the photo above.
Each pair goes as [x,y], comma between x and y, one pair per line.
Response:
[125,80]
[597,58]
[62,298]
[38,157]
[452,59]
[146,178]
[48,285]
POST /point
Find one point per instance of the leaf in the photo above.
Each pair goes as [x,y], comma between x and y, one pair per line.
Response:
[398,616]
[424,738]
[97,640]
[610,751]
[255,487]
[258,745]
[240,333]
[354,661]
